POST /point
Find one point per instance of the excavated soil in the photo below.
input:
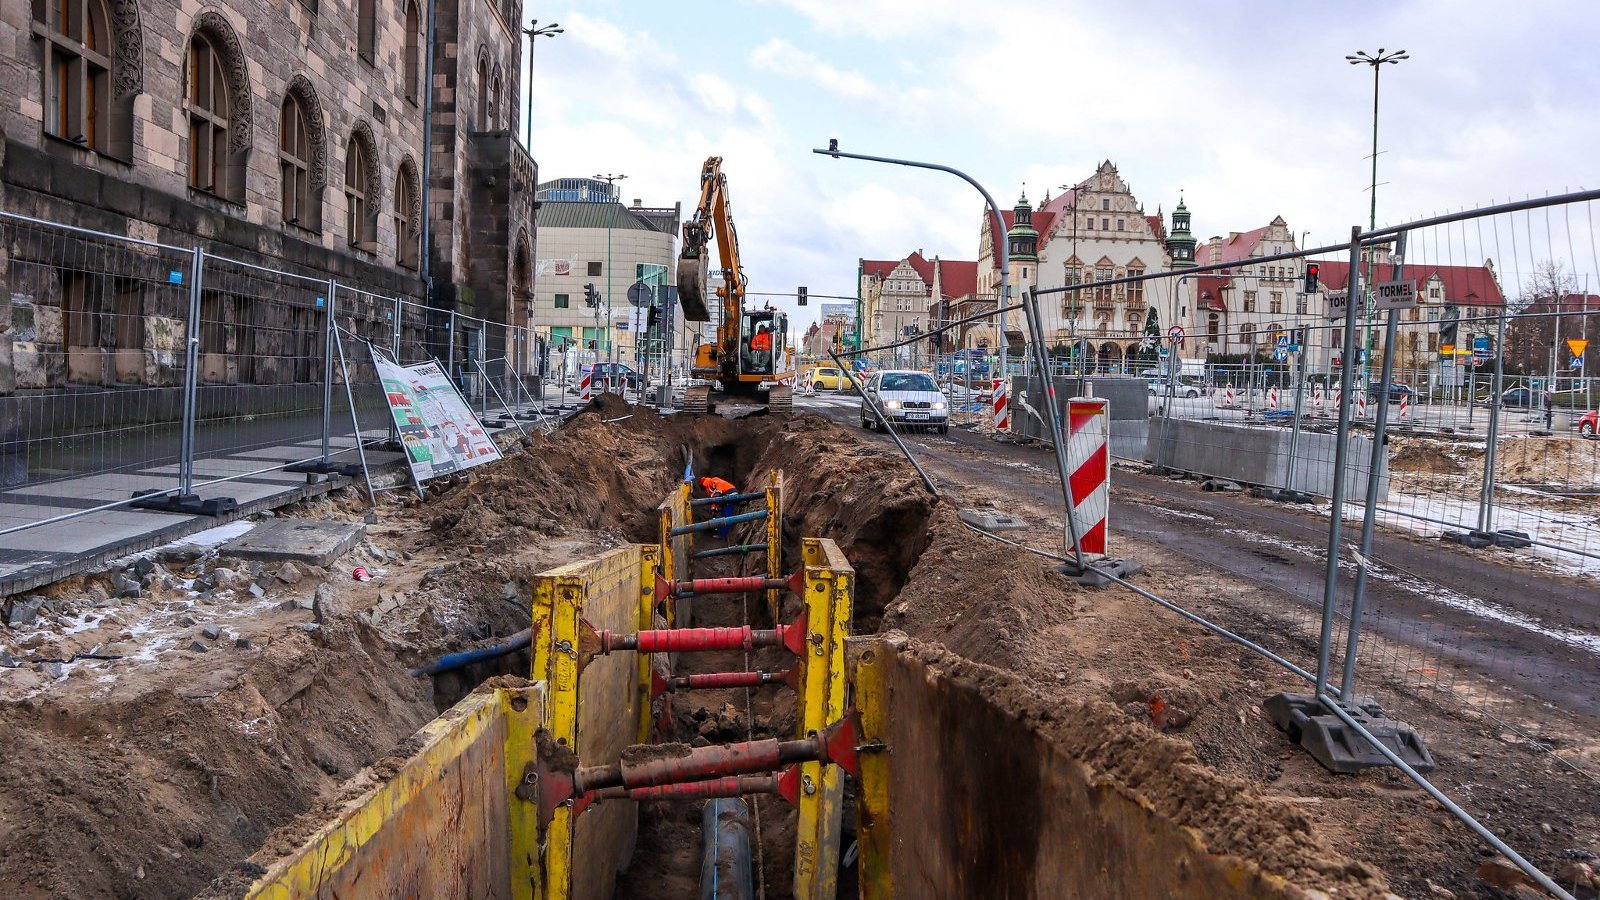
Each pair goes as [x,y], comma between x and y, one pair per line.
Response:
[152,774]
[1519,459]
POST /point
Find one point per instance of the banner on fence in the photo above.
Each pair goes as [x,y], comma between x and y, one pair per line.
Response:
[439,431]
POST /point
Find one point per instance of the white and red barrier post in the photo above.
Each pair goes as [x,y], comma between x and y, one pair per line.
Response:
[1227,396]
[1089,465]
[1316,398]
[1002,405]
[1272,397]
[1361,404]
[584,385]
[1405,407]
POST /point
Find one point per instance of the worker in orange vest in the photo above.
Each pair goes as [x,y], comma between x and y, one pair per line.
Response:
[717,487]
[761,349]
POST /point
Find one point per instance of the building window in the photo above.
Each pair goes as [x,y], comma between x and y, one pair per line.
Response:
[367,29]
[1247,334]
[80,308]
[294,162]
[359,221]
[413,63]
[494,102]
[1300,304]
[1136,289]
[1121,224]
[208,117]
[1088,223]
[1433,343]
[1105,202]
[561,301]
[594,269]
[1249,301]
[1105,223]
[1102,292]
[407,216]
[483,93]
[77,71]
[1212,328]
[1275,304]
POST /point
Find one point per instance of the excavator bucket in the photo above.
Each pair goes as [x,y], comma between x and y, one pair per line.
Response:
[692,288]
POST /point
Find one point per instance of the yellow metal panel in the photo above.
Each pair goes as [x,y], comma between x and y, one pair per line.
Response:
[872,803]
[821,703]
[648,558]
[524,712]
[775,541]
[436,828]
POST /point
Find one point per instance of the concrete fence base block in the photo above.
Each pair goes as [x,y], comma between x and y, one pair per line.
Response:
[1094,574]
[1338,747]
[1259,455]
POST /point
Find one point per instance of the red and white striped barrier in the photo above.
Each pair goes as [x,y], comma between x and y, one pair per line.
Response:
[1316,398]
[1361,404]
[1272,397]
[1227,396]
[584,386]
[1338,398]
[1405,407]
[1002,405]
[1089,462]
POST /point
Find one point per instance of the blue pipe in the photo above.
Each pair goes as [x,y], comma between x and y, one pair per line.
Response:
[714,524]
[453,661]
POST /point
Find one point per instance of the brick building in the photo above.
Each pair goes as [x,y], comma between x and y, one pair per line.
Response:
[290,140]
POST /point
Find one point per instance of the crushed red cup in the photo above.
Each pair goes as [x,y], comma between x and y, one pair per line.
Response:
[361,574]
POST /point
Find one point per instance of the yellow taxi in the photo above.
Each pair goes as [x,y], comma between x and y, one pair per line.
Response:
[827,378]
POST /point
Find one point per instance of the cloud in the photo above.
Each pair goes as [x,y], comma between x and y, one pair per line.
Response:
[783,58]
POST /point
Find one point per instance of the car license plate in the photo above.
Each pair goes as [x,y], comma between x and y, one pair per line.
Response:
[916,417]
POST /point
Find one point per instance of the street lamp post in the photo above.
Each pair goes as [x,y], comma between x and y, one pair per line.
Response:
[534,30]
[611,219]
[1377,62]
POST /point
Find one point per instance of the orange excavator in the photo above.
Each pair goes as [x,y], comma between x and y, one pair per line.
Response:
[750,359]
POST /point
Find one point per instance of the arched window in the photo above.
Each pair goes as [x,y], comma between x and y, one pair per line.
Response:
[78,54]
[360,223]
[494,102]
[294,163]
[407,215]
[367,29]
[483,93]
[1247,334]
[209,108]
[413,62]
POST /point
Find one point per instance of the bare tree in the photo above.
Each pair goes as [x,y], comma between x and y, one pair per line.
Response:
[1531,333]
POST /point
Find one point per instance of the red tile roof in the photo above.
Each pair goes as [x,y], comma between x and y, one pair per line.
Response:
[1236,247]
[957,277]
[1208,291]
[1157,227]
[1463,285]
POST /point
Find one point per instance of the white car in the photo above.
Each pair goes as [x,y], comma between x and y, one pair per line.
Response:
[909,399]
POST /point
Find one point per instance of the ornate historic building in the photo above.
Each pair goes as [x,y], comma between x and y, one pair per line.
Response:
[1095,231]
[291,136]
[912,295]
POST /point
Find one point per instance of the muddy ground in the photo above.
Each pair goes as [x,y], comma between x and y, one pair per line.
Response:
[151,774]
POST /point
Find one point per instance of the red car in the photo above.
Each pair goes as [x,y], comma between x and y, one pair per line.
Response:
[1589,425]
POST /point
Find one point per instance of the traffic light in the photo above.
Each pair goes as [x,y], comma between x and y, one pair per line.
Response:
[594,345]
[591,297]
[802,295]
[1312,273]
[651,317]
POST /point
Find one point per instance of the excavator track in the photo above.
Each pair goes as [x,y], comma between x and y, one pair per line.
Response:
[697,399]
[780,399]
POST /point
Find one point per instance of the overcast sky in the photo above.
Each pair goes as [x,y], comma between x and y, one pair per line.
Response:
[1248,108]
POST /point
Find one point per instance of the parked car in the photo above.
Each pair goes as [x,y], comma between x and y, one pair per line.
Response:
[1397,391]
[619,376]
[908,398]
[1589,425]
[1522,397]
[828,378]
[1184,388]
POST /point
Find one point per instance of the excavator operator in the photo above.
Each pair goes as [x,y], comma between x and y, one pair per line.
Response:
[761,349]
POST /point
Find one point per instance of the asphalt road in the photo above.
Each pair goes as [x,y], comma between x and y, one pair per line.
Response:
[1536,632]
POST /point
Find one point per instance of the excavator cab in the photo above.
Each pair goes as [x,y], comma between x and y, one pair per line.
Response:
[761,346]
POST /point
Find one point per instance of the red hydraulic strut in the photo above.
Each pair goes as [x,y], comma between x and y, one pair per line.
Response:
[660,685]
[691,640]
[666,587]
[785,784]
[652,766]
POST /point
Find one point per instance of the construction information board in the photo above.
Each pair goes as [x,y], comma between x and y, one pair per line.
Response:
[437,427]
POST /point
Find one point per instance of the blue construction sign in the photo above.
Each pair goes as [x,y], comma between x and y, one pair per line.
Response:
[1281,352]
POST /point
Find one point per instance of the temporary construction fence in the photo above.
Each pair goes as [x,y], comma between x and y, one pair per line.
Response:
[137,376]
[1298,416]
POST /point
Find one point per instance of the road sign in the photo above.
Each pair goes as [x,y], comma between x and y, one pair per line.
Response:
[1577,345]
[1281,353]
[1577,362]
[641,294]
[1162,352]
[1480,349]
[1176,334]
[1396,295]
[1338,302]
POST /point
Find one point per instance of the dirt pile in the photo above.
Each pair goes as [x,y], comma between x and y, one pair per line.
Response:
[596,472]
[1519,459]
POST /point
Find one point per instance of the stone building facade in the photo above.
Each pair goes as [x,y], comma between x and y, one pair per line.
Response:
[916,292]
[1096,231]
[288,140]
